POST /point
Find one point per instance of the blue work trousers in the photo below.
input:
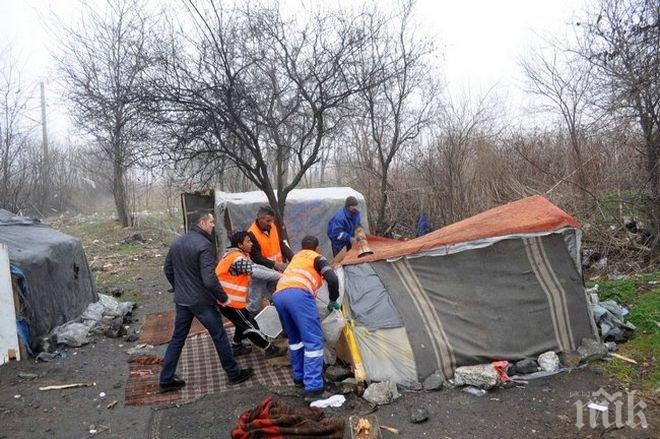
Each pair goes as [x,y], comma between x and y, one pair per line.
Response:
[302,323]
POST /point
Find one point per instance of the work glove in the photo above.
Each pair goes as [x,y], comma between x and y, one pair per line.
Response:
[333,305]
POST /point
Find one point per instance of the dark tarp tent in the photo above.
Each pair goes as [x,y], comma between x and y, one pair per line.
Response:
[503,285]
[60,284]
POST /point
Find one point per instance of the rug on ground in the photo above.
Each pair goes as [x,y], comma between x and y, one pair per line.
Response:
[200,367]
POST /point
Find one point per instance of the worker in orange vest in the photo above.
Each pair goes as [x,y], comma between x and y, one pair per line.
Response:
[295,302]
[234,271]
[269,251]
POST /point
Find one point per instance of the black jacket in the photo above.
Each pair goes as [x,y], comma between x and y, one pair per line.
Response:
[190,268]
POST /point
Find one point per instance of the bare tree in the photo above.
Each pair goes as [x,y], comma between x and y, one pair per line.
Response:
[14,136]
[103,62]
[258,91]
[564,83]
[621,40]
[398,103]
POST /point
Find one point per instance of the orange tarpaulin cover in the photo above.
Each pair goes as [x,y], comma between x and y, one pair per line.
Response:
[530,215]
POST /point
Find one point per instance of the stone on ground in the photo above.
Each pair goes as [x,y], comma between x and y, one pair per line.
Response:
[549,361]
[526,366]
[418,415]
[483,376]
[381,393]
[434,381]
[592,350]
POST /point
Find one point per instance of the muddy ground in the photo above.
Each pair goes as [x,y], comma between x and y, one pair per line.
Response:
[543,408]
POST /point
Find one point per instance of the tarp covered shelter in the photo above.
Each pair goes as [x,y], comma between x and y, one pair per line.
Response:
[59,281]
[503,285]
[307,212]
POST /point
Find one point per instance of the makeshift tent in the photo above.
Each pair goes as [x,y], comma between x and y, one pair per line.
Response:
[51,269]
[504,284]
[307,212]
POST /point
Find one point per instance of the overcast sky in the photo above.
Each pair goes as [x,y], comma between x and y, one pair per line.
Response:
[479,41]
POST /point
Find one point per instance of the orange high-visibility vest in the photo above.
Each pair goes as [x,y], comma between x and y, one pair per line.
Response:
[270,243]
[300,273]
[236,287]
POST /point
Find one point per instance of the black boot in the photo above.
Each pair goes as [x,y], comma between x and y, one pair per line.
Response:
[273,351]
[172,386]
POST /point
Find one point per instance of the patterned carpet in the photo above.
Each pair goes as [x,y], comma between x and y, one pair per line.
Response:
[158,328]
[200,367]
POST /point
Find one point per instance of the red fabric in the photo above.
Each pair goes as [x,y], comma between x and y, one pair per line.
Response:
[500,368]
[530,215]
[273,420]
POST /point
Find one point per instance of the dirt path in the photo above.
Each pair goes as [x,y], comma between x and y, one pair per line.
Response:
[544,408]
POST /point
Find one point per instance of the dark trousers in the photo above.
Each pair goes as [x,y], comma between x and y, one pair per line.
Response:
[209,316]
[245,326]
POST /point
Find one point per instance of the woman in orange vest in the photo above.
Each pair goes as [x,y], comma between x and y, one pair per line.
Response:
[295,302]
[234,272]
[267,250]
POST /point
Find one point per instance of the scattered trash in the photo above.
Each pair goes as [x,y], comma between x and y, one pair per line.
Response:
[332,325]
[482,375]
[113,307]
[500,368]
[67,386]
[71,334]
[92,432]
[549,361]
[418,415]
[592,350]
[141,349]
[599,407]
[624,358]
[112,405]
[475,391]
[47,357]
[617,276]
[381,393]
[17,396]
[132,338]
[349,385]
[27,376]
[332,401]
[611,346]
[364,427]
[337,373]
[96,265]
[610,318]
[102,395]
[389,429]
[434,381]
[527,366]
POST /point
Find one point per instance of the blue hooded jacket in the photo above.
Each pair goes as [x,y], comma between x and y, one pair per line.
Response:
[341,228]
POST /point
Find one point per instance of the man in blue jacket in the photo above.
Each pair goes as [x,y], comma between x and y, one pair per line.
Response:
[341,227]
[190,269]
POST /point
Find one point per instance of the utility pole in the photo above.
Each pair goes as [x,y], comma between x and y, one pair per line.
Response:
[45,165]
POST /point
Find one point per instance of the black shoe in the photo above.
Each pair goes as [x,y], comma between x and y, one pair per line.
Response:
[240,349]
[316,395]
[299,383]
[243,375]
[273,351]
[174,385]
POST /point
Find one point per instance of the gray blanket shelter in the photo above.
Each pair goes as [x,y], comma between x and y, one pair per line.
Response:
[307,212]
[507,297]
[55,266]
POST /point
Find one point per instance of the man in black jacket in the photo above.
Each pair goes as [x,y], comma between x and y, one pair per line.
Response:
[190,269]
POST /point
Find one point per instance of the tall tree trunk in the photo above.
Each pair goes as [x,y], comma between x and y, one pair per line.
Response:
[382,204]
[652,194]
[119,193]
